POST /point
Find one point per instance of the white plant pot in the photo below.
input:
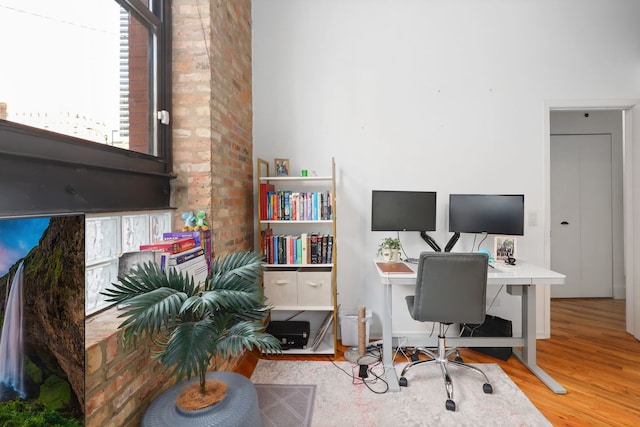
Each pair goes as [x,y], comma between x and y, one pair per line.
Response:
[391,255]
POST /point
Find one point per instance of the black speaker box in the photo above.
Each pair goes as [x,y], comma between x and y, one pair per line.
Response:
[493,326]
[290,333]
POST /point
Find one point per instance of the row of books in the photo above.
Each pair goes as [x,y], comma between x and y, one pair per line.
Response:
[288,205]
[307,248]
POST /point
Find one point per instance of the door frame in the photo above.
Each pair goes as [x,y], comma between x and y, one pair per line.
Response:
[631,201]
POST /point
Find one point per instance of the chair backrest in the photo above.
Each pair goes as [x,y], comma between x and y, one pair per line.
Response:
[451,287]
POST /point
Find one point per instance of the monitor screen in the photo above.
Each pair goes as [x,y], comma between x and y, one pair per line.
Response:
[403,210]
[487,213]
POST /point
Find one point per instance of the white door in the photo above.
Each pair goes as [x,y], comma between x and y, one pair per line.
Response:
[581,224]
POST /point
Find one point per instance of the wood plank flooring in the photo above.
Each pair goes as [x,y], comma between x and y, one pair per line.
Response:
[589,353]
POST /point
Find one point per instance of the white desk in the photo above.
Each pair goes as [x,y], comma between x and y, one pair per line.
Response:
[520,281]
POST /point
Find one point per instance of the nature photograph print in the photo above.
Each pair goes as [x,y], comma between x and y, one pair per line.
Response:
[42,354]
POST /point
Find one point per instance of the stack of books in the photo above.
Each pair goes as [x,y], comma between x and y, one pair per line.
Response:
[202,239]
[181,254]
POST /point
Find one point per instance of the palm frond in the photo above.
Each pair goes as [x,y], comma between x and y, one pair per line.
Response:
[189,350]
[243,336]
[146,278]
[148,313]
[237,270]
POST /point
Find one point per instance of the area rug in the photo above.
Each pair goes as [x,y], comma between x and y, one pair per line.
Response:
[344,399]
[286,405]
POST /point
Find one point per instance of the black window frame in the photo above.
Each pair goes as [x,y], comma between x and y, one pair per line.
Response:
[43,172]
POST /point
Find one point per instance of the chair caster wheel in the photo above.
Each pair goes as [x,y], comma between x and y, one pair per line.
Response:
[403,382]
[450,405]
[487,388]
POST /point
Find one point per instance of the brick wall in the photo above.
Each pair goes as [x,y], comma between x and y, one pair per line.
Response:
[212,117]
[121,381]
[212,152]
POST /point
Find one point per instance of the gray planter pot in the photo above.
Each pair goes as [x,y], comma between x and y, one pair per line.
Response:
[239,408]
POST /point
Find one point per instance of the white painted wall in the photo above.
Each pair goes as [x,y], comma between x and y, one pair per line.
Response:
[447,96]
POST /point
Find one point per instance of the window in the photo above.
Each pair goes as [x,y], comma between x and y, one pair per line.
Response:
[89,71]
[95,73]
[106,238]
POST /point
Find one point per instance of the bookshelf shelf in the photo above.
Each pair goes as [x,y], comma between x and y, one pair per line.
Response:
[298,265]
[296,221]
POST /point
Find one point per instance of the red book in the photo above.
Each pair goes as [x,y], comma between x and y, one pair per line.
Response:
[264,194]
[172,246]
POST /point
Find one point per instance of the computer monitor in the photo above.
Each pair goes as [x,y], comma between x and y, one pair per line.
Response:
[487,213]
[403,210]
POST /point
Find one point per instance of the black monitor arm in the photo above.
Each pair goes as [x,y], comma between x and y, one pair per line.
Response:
[452,242]
[430,241]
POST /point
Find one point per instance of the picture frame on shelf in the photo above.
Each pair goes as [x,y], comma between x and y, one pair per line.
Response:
[281,167]
[504,247]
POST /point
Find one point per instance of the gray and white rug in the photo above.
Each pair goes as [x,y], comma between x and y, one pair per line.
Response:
[286,405]
[342,400]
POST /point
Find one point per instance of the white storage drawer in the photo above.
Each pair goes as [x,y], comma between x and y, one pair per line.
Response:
[314,287]
[281,287]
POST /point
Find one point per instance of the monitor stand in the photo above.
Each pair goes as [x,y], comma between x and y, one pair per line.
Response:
[430,241]
[452,242]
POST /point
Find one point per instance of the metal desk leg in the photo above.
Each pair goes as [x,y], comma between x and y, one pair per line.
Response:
[528,354]
[387,340]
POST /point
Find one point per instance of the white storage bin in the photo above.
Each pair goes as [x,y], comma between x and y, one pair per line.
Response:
[281,287]
[314,287]
[349,327]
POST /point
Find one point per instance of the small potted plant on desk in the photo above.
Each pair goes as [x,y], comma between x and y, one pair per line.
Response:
[195,326]
[389,249]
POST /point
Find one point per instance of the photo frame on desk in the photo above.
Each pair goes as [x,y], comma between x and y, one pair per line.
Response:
[281,167]
[504,247]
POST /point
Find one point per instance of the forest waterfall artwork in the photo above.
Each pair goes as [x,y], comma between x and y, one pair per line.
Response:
[11,341]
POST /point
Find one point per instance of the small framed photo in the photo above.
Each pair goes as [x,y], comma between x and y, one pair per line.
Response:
[282,167]
[504,247]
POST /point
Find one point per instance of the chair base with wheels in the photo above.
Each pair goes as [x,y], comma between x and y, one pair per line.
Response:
[450,288]
[442,358]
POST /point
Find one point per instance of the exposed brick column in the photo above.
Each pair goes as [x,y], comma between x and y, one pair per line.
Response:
[212,116]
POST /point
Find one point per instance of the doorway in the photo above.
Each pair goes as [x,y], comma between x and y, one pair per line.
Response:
[586,203]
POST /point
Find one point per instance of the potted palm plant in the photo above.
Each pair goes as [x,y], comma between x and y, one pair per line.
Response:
[193,325]
[389,249]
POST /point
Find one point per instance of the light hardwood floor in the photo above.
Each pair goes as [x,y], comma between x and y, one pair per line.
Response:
[589,353]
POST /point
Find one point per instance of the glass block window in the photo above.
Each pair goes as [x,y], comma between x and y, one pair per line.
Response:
[106,238]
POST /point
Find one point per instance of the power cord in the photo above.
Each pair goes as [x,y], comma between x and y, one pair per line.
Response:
[367,376]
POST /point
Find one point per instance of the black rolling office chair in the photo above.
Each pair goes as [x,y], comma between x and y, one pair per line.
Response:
[450,288]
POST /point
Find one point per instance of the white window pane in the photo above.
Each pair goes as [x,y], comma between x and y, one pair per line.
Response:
[101,239]
[135,232]
[97,279]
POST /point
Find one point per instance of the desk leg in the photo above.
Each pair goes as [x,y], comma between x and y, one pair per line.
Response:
[528,354]
[387,340]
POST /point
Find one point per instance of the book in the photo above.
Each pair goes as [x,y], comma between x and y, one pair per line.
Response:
[265,190]
[304,242]
[196,268]
[266,236]
[168,260]
[172,246]
[330,248]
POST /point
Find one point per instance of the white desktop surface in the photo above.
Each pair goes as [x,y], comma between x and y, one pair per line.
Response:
[520,279]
